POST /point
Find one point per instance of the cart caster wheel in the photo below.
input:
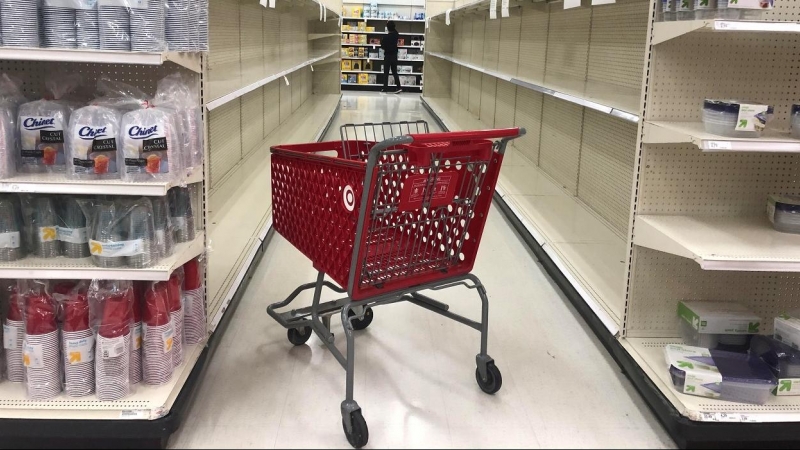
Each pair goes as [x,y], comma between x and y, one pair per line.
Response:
[299,336]
[361,324]
[493,381]
[359,436]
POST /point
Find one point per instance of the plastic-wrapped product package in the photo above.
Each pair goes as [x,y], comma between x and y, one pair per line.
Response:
[10,99]
[73,232]
[41,127]
[13,335]
[164,231]
[41,349]
[151,145]
[119,96]
[115,25]
[92,143]
[136,332]
[87,25]
[111,306]
[20,23]
[107,232]
[77,338]
[42,225]
[187,25]
[181,92]
[195,330]
[148,21]
[141,232]
[11,244]
[58,24]
[182,213]
[158,335]
[174,295]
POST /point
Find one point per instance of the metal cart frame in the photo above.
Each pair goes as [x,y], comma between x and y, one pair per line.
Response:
[357,314]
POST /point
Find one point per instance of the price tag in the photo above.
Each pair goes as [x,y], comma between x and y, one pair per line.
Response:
[493,9]
[447,17]
[571,4]
[112,347]
[719,145]
[11,337]
[286,80]
[272,4]
[504,8]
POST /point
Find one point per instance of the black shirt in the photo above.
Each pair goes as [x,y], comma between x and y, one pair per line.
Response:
[389,45]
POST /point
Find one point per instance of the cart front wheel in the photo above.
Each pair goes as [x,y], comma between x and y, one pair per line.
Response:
[359,435]
[299,336]
[493,381]
[361,324]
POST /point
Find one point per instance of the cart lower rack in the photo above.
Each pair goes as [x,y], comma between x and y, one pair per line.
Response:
[396,211]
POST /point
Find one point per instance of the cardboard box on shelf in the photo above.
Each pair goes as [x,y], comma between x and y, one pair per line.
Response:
[373,79]
[347,64]
[363,78]
[401,41]
[356,65]
[352,78]
[375,41]
[405,69]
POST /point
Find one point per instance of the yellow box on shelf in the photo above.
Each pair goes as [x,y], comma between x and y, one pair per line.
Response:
[363,78]
[346,64]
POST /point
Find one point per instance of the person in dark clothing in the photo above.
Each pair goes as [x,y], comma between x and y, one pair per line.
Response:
[389,46]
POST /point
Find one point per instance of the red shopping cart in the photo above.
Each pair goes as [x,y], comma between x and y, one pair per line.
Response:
[389,211]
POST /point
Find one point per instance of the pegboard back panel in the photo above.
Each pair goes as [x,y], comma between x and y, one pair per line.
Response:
[608,154]
[559,154]
[272,34]
[466,36]
[617,43]
[298,86]
[475,81]
[440,37]
[224,71]
[784,11]
[285,100]
[505,105]
[681,180]
[491,44]
[688,70]
[478,34]
[488,100]
[455,81]
[534,23]
[463,90]
[271,113]
[509,42]
[568,43]
[252,121]
[251,42]
[528,114]
[326,78]
[439,77]
[661,280]
[225,140]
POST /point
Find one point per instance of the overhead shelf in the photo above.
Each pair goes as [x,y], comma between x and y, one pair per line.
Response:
[264,81]
[315,36]
[383,20]
[189,60]
[741,243]
[665,31]
[649,354]
[346,44]
[145,402]
[382,32]
[376,72]
[606,98]
[62,184]
[84,269]
[657,132]
[379,84]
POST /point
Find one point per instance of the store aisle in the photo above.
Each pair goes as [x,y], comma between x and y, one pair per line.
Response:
[415,370]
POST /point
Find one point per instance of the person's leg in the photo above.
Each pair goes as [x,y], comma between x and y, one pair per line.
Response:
[385,76]
[396,77]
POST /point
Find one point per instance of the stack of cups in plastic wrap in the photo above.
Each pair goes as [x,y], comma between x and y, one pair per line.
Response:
[19,22]
[194,307]
[158,335]
[112,362]
[13,337]
[77,341]
[41,349]
[11,244]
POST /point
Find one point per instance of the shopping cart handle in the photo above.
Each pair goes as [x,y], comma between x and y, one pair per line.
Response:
[506,133]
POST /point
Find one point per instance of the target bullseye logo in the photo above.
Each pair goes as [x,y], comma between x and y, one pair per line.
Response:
[349,198]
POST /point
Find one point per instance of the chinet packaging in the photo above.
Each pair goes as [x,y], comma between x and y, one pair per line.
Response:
[92,143]
[111,307]
[181,92]
[10,99]
[151,145]
[41,128]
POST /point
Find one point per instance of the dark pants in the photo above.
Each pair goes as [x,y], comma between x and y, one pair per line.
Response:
[387,64]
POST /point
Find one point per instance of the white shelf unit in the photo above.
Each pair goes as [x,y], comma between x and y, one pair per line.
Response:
[61,184]
[382,32]
[373,71]
[188,60]
[382,20]
[270,49]
[641,209]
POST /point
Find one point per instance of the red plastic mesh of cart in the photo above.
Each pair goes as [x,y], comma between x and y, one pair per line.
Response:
[428,205]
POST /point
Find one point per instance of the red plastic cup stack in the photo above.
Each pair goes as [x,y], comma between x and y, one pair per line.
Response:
[176,313]
[112,362]
[77,344]
[41,350]
[136,334]
[13,333]
[158,335]
[194,305]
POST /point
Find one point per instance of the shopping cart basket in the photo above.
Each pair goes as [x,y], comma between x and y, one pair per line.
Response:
[389,211]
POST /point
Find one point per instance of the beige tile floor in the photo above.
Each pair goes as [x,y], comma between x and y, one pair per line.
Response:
[415,370]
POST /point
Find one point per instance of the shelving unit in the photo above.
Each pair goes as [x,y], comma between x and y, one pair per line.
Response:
[271,76]
[620,192]
[407,28]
